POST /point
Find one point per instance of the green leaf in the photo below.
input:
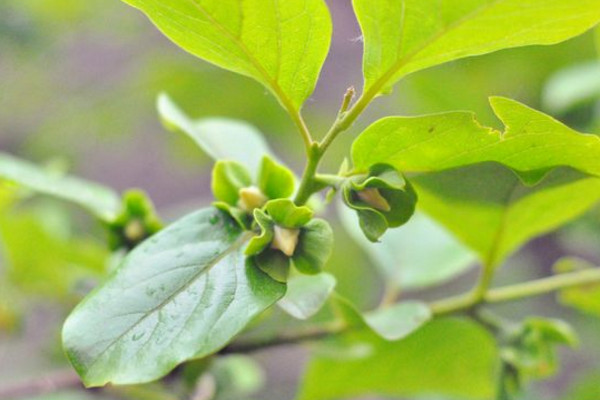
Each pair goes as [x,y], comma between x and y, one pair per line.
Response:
[42,260]
[285,213]
[315,246]
[219,138]
[532,348]
[382,199]
[390,323]
[572,87]
[419,254]
[101,201]
[182,294]
[532,144]
[275,180]
[402,37]
[490,210]
[585,298]
[237,376]
[448,356]
[306,294]
[399,320]
[228,178]
[280,44]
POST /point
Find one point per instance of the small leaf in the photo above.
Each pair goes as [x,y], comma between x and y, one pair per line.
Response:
[496,219]
[219,138]
[237,376]
[101,201]
[306,294]
[314,247]
[275,180]
[451,357]
[532,145]
[228,178]
[572,87]
[391,323]
[420,254]
[399,320]
[402,37]
[532,347]
[383,199]
[285,213]
[281,45]
[182,294]
[585,298]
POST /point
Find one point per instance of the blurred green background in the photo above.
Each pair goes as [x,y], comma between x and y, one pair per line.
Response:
[78,83]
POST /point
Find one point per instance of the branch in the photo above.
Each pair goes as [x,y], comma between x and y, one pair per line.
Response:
[68,379]
[518,291]
[50,383]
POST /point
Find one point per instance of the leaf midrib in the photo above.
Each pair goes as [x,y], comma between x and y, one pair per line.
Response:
[286,101]
[234,246]
[389,74]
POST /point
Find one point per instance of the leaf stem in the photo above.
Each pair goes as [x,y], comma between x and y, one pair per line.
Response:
[315,151]
[302,128]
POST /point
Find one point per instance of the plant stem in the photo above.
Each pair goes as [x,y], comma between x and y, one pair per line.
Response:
[46,384]
[69,379]
[303,129]
[316,150]
[307,183]
[518,291]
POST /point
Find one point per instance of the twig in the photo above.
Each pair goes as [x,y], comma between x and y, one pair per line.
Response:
[47,384]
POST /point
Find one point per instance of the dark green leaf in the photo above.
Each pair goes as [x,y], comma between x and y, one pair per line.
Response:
[182,294]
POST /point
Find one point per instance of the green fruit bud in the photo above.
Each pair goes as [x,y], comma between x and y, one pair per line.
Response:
[373,197]
[135,231]
[251,198]
[285,239]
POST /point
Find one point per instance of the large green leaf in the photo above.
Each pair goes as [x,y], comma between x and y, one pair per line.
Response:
[448,356]
[182,294]
[281,44]
[219,138]
[493,212]
[532,144]
[404,36]
[419,254]
[101,201]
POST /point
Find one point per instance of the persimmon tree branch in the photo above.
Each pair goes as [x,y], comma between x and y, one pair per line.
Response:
[68,379]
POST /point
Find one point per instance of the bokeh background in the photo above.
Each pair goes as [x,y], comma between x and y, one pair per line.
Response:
[78,83]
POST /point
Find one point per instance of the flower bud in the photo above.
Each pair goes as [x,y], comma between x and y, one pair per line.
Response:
[373,197]
[250,198]
[135,231]
[285,239]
